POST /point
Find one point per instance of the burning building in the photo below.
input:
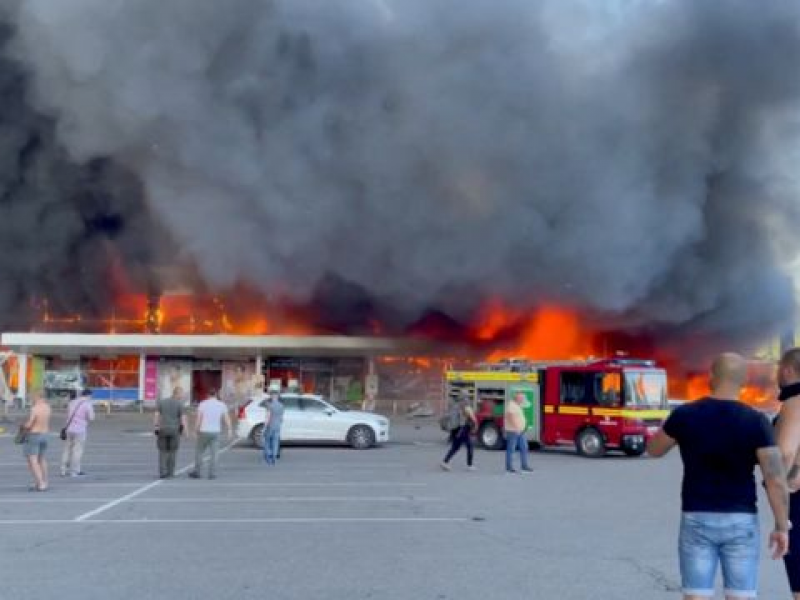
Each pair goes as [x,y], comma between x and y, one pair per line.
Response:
[558,178]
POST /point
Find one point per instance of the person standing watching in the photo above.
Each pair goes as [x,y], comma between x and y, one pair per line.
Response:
[515,426]
[272,429]
[38,429]
[788,432]
[208,426]
[79,413]
[169,424]
[721,440]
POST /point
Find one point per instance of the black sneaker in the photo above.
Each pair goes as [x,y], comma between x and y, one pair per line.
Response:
[194,475]
[511,470]
[527,469]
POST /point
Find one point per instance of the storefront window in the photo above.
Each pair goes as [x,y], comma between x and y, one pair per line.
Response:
[113,379]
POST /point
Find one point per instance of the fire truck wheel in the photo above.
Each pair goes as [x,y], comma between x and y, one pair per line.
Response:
[257,436]
[361,437]
[590,443]
[490,437]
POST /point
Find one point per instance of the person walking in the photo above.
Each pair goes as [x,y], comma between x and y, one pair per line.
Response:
[37,429]
[210,415]
[169,423]
[788,432]
[515,427]
[462,426]
[721,440]
[79,413]
[272,429]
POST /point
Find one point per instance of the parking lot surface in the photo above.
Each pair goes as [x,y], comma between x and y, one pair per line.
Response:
[331,523]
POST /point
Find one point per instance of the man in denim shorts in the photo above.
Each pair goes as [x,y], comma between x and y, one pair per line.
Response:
[38,428]
[721,441]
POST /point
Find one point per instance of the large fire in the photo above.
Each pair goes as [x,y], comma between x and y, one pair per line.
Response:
[553,333]
[547,334]
[184,313]
[760,391]
[498,331]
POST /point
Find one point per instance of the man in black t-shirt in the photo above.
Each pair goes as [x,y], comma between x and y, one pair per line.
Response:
[721,441]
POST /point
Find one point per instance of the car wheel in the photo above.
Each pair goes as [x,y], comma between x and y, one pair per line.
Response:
[490,436]
[257,436]
[590,443]
[361,437]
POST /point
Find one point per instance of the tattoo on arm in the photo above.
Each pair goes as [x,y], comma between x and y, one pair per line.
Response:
[793,472]
[773,464]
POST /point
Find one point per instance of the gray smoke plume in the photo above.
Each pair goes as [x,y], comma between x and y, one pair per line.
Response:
[633,159]
[63,226]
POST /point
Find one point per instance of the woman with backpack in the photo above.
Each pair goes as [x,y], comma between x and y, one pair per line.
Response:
[462,423]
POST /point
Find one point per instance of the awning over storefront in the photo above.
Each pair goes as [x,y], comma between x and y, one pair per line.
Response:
[207,346]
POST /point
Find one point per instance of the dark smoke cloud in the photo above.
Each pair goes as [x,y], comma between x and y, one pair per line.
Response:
[62,225]
[632,159]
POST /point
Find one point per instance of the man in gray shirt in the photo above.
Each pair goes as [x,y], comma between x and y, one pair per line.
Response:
[170,423]
[272,429]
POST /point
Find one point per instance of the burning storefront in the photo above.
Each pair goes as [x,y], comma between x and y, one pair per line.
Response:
[128,369]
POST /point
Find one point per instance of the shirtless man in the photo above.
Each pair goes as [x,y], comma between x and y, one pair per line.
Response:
[38,427]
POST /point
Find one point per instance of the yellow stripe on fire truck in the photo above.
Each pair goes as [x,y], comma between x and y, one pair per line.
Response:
[607,412]
[491,376]
[572,410]
[630,414]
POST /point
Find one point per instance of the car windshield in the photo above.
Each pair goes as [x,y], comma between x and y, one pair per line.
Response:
[646,388]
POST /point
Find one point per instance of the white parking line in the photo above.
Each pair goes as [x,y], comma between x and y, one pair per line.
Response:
[145,488]
[266,521]
[80,483]
[226,500]
[304,484]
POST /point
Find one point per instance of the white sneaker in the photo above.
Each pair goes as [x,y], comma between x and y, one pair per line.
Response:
[445,466]
[472,468]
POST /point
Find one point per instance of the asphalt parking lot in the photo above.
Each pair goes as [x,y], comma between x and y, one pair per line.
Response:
[330,523]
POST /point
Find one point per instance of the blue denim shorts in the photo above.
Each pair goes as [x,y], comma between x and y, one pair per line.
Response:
[35,444]
[711,539]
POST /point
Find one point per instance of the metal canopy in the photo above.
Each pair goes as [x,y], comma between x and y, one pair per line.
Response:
[207,346]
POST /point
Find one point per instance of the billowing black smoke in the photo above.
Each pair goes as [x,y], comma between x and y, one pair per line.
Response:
[63,225]
[633,159]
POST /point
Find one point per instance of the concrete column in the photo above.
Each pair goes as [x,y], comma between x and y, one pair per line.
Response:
[261,382]
[22,378]
[370,385]
[142,372]
[259,365]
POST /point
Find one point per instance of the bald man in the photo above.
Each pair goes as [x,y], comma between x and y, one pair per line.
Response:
[788,429]
[721,440]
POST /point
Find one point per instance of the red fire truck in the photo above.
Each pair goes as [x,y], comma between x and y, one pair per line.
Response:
[595,405]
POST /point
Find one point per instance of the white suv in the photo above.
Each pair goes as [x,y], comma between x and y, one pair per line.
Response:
[310,418]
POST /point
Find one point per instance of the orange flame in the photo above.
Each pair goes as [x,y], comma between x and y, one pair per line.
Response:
[548,334]
[760,391]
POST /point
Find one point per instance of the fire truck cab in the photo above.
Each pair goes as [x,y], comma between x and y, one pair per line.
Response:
[595,405]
